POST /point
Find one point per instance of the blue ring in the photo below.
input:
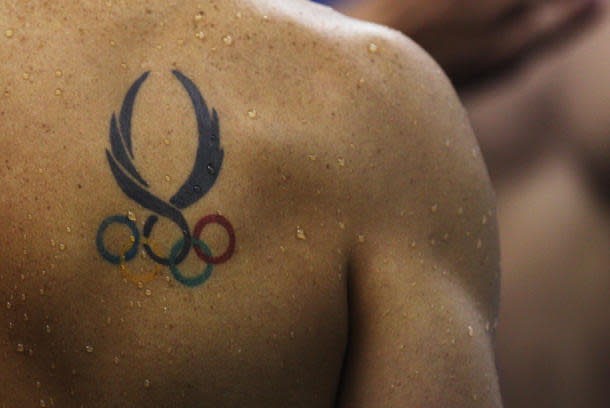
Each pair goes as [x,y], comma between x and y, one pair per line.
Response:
[133,251]
[196,280]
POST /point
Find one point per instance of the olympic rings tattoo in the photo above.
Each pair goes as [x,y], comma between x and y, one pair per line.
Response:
[127,255]
[208,162]
[197,280]
[130,249]
[138,278]
[207,257]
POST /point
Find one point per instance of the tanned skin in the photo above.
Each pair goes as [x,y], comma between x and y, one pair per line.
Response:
[364,271]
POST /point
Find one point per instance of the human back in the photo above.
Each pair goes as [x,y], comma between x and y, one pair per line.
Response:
[101,310]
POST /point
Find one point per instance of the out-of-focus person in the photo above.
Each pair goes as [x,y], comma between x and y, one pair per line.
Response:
[546,136]
[474,38]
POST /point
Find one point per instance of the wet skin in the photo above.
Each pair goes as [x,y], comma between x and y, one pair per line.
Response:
[362,274]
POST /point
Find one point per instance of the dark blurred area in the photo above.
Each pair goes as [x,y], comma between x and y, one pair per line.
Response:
[535,78]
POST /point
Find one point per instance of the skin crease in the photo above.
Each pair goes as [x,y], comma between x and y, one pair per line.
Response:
[366,264]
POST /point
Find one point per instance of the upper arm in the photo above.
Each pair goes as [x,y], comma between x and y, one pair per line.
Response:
[423,284]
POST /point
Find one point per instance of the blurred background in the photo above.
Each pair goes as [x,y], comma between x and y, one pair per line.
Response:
[535,78]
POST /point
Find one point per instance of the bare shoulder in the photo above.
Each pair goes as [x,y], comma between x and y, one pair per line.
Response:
[413,169]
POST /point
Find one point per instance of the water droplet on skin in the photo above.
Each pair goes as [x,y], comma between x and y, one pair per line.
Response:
[312,157]
[227,39]
[9,33]
[26,317]
[68,229]
[62,247]
[132,238]
[148,292]
[42,403]
[200,35]
[413,244]
[25,76]
[446,236]
[146,383]
[23,296]
[252,113]
[361,238]
[373,48]
[38,384]
[131,216]
[89,348]
[123,65]
[112,43]
[470,331]
[47,328]
[198,16]
[342,225]
[434,208]
[166,141]
[58,73]
[116,360]
[341,161]
[140,286]
[484,220]
[58,92]
[211,169]
[479,244]
[9,305]
[20,348]
[168,178]
[301,233]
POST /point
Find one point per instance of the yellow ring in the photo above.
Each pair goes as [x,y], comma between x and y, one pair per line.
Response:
[132,277]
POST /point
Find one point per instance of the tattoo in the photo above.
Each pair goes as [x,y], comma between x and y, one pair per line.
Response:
[208,162]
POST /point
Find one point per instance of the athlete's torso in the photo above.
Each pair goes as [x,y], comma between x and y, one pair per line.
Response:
[88,320]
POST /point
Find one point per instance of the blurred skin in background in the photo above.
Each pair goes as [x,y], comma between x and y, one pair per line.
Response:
[474,38]
[545,134]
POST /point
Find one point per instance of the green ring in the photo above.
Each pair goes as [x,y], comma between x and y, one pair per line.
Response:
[196,280]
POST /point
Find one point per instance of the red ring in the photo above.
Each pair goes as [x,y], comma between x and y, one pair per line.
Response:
[218,219]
